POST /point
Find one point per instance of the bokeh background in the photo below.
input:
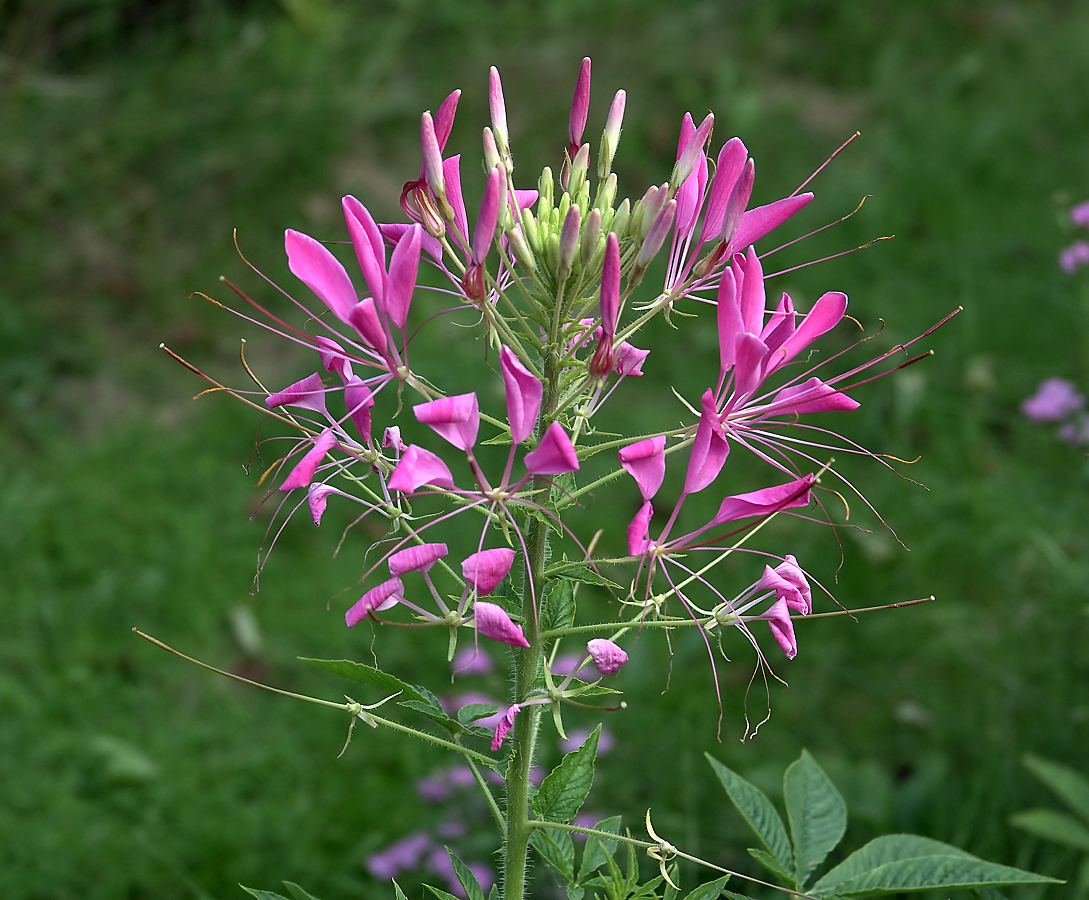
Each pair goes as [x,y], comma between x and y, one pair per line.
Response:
[136,135]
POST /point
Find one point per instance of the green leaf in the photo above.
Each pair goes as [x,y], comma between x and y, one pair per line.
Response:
[757,810]
[263,895]
[465,875]
[1071,787]
[1052,825]
[575,892]
[733,895]
[398,894]
[908,862]
[583,574]
[597,849]
[435,713]
[558,608]
[557,849]
[817,815]
[770,862]
[563,792]
[709,890]
[354,671]
[441,894]
[297,892]
[470,712]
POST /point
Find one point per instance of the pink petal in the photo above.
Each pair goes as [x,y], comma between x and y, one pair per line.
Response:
[432,154]
[363,317]
[303,473]
[306,394]
[489,215]
[607,656]
[333,358]
[485,569]
[416,559]
[385,595]
[370,249]
[320,271]
[692,151]
[739,199]
[524,393]
[359,399]
[749,365]
[637,530]
[752,299]
[317,496]
[825,314]
[493,622]
[731,160]
[791,572]
[554,454]
[629,359]
[709,451]
[729,321]
[758,222]
[766,501]
[451,170]
[391,439]
[610,285]
[403,266]
[444,118]
[812,395]
[457,419]
[505,724]
[645,462]
[417,468]
[782,629]
[497,107]
[394,231]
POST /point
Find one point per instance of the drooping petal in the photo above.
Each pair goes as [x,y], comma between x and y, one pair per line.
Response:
[401,283]
[306,394]
[370,249]
[320,271]
[812,395]
[607,656]
[758,222]
[391,439]
[417,468]
[492,621]
[416,559]
[629,360]
[317,497]
[792,573]
[782,629]
[554,455]
[709,450]
[457,419]
[764,502]
[645,462]
[359,400]
[333,358]
[637,530]
[304,470]
[504,725]
[524,393]
[387,594]
[486,568]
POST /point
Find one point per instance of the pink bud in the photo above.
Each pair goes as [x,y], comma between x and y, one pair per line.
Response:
[317,496]
[554,455]
[611,136]
[444,118]
[457,419]
[498,109]
[391,439]
[659,230]
[580,105]
[569,241]
[493,622]
[489,214]
[417,468]
[524,393]
[303,473]
[485,569]
[687,161]
[432,155]
[607,656]
[385,595]
[645,462]
[739,200]
[610,285]
[782,629]
[637,530]
[333,358]
[790,585]
[416,559]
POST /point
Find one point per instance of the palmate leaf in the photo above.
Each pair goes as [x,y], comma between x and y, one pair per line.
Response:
[563,792]
[907,862]
[817,815]
[757,810]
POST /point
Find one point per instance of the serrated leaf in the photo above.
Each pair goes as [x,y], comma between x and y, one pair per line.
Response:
[263,895]
[1071,786]
[297,892]
[354,671]
[465,875]
[470,712]
[563,792]
[558,608]
[771,863]
[816,812]
[1052,825]
[709,890]
[575,892]
[435,713]
[589,689]
[757,810]
[909,862]
[557,849]
[583,574]
[598,849]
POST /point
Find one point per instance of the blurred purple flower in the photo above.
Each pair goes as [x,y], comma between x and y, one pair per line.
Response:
[1074,256]
[472,661]
[577,737]
[1079,215]
[1076,432]
[399,856]
[1054,399]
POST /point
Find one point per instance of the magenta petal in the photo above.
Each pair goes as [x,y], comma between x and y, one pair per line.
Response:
[493,622]
[370,249]
[444,118]
[307,394]
[416,559]
[764,502]
[812,395]
[451,170]
[303,473]
[485,569]
[317,496]
[484,233]
[505,725]
[580,105]
[729,321]
[554,455]
[320,271]
[333,358]
[731,160]
[417,468]
[432,154]
[752,300]
[709,451]
[637,530]
[457,419]
[645,462]
[610,285]
[363,317]
[524,393]
[629,360]
[607,656]
[758,222]
[385,595]
[359,400]
[403,266]
[791,572]
[824,315]
[749,365]
[782,629]
[394,231]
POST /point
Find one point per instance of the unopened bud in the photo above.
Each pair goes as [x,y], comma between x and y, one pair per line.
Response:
[529,230]
[739,200]
[656,235]
[611,136]
[491,151]
[521,251]
[579,165]
[498,108]
[545,188]
[621,221]
[694,148]
[606,193]
[569,242]
[591,231]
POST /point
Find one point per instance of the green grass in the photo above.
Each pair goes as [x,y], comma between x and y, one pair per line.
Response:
[126,773]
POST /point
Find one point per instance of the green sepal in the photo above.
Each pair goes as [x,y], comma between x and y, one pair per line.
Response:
[562,793]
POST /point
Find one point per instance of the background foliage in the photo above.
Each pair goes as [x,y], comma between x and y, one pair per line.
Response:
[134,136]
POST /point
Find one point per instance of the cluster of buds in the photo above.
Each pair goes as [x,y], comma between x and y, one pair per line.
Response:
[549,274]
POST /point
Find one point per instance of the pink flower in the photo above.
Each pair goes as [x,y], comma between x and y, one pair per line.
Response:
[1075,256]
[485,569]
[790,585]
[1079,215]
[782,629]
[1054,399]
[492,621]
[385,595]
[607,656]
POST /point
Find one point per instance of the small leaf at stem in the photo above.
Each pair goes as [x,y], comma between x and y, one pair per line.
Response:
[557,849]
[562,793]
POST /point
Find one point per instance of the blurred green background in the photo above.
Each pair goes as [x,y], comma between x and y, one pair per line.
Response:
[136,134]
